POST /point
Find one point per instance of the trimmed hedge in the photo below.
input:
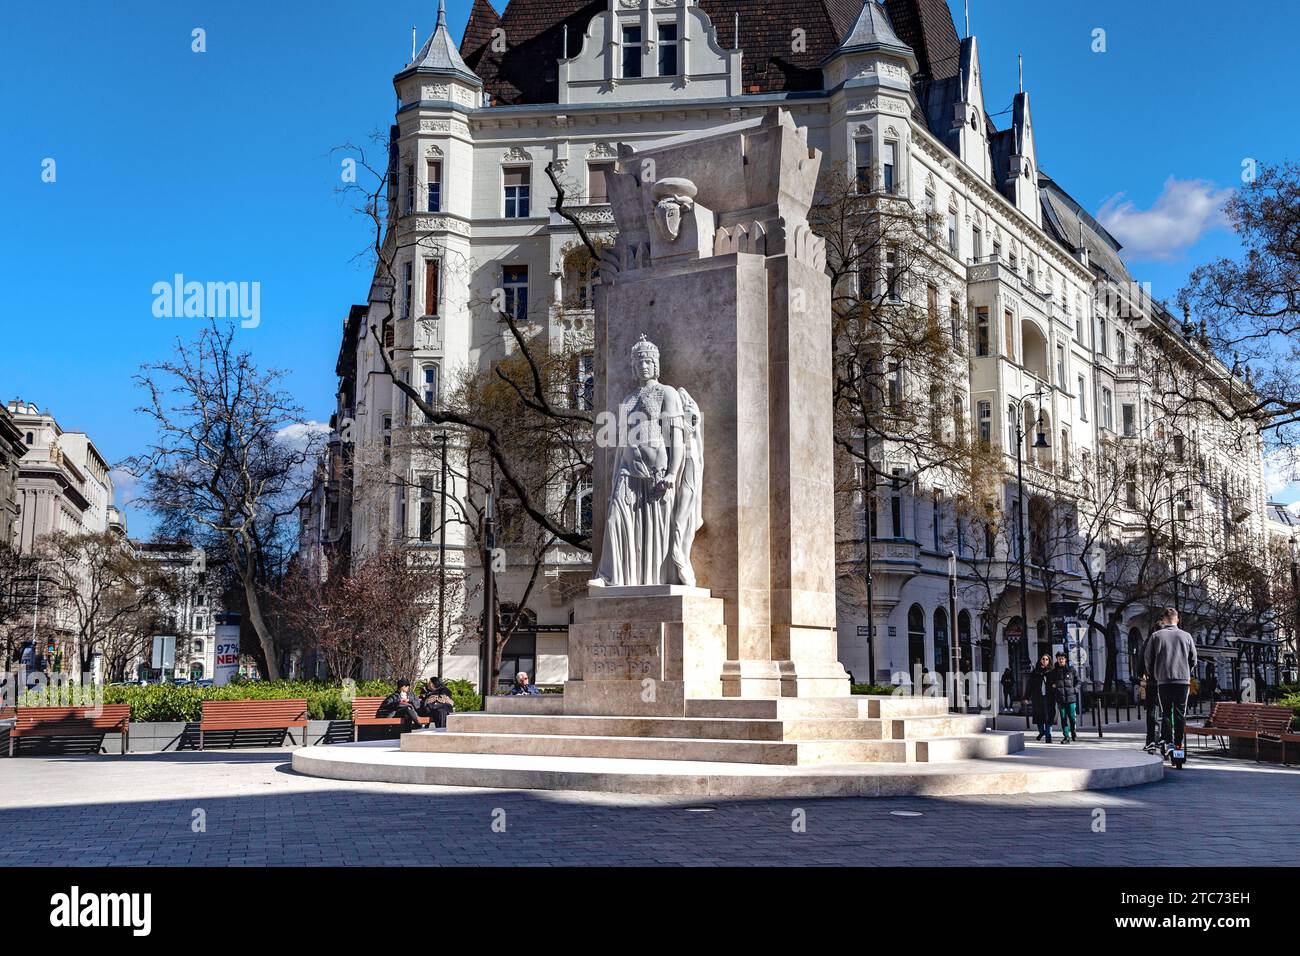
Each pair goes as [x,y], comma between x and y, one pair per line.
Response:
[874,690]
[168,702]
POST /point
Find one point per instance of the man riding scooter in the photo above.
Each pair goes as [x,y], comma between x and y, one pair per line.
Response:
[1170,660]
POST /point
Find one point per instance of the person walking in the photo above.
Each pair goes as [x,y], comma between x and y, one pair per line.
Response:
[1038,695]
[1008,689]
[436,702]
[401,703]
[1170,661]
[1064,682]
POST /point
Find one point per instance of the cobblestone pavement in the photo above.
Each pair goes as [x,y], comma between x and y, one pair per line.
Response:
[248,808]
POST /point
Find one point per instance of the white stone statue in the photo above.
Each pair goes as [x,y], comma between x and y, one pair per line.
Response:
[655,505]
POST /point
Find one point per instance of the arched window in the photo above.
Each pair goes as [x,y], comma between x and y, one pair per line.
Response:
[915,642]
[964,642]
[31,438]
[940,640]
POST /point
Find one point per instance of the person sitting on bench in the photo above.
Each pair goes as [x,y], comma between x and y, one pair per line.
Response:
[436,703]
[401,703]
[522,685]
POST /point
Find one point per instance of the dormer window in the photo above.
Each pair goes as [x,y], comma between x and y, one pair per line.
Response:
[631,53]
[668,49]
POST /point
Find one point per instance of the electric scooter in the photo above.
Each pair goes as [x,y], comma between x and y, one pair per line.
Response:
[1177,755]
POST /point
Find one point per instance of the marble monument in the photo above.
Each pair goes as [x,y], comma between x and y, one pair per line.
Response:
[719,581]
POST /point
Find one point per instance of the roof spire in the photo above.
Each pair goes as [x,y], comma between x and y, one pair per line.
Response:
[439,54]
[968,17]
[1020,58]
[873,31]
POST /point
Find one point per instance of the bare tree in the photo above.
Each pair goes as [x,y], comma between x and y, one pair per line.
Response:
[100,584]
[1250,312]
[376,202]
[900,343]
[229,463]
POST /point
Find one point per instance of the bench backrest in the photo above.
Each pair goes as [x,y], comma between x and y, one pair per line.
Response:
[272,710]
[1230,715]
[366,708]
[104,717]
[1275,720]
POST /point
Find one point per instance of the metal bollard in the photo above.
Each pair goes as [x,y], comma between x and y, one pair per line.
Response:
[1097,714]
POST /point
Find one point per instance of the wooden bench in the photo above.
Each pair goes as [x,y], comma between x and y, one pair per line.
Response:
[1229,719]
[1288,739]
[71,722]
[253,715]
[364,711]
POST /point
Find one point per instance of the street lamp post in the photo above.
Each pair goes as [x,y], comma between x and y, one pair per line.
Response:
[954,641]
[489,590]
[1188,507]
[442,554]
[869,506]
[1295,592]
[1039,442]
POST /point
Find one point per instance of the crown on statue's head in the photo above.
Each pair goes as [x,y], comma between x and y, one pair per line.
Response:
[645,347]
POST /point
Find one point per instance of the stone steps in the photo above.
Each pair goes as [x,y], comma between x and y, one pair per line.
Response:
[1037,770]
[715,750]
[938,725]
[789,708]
[722,728]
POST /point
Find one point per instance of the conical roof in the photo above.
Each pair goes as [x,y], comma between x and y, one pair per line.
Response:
[439,55]
[873,31]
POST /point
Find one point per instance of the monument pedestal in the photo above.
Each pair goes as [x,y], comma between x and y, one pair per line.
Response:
[642,651]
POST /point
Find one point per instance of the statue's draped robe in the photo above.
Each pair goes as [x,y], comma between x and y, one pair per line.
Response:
[639,526]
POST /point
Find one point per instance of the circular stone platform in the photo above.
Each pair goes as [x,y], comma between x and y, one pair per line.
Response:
[1035,770]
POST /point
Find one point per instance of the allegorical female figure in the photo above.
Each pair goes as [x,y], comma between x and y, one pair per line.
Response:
[654,504]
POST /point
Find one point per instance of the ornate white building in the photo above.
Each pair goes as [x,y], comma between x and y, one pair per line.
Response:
[888,93]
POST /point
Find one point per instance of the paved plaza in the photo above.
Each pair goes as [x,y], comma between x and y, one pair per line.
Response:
[248,808]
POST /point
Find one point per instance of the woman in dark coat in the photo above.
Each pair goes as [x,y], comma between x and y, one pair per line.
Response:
[436,703]
[401,703]
[1038,694]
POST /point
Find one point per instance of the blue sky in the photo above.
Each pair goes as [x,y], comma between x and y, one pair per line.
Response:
[217,165]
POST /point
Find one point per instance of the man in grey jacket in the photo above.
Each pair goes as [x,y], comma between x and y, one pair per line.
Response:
[1170,661]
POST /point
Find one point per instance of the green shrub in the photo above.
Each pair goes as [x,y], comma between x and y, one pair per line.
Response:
[874,689]
[169,702]
[1292,701]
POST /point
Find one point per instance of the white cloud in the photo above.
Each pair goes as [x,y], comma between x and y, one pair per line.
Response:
[1184,211]
[1279,473]
[125,486]
[300,433]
